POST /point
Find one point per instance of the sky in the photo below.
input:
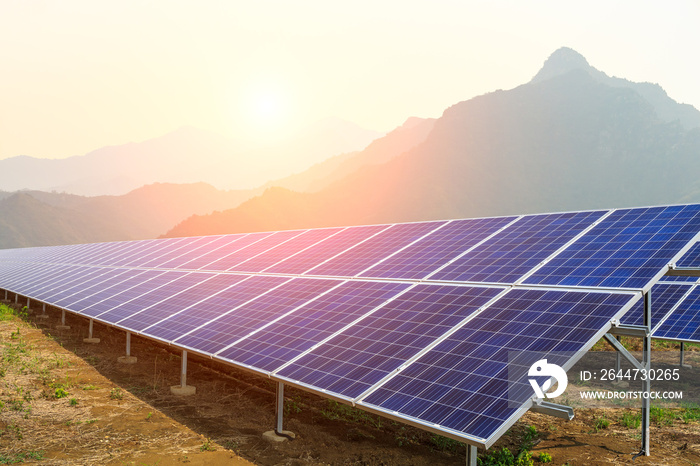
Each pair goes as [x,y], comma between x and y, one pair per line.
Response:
[78,75]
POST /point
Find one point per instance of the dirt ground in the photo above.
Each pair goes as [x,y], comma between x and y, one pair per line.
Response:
[66,402]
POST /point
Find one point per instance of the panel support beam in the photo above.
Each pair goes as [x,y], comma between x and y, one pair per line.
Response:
[623,351]
[553,409]
[646,383]
[638,331]
[675,271]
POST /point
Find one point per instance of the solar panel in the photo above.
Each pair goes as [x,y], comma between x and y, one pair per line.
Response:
[462,385]
[690,258]
[515,251]
[360,356]
[626,250]
[663,297]
[365,254]
[437,249]
[683,323]
[214,252]
[267,347]
[119,291]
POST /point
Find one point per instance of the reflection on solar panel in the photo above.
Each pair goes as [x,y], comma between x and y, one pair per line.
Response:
[690,258]
[419,260]
[418,321]
[683,324]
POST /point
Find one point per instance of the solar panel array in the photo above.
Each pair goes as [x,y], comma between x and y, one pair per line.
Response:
[414,321]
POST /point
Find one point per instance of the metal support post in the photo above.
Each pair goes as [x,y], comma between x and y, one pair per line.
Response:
[128,359]
[63,325]
[183,370]
[43,314]
[128,343]
[28,302]
[16,298]
[682,361]
[90,330]
[646,383]
[471,455]
[5,295]
[90,338]
[280,408]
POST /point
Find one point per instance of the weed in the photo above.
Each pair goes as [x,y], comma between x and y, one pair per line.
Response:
[444,443]
[545,457]
[60,393]
[631,420]
[116,393]
[90,387]
[21,457]
[73,402]
[600,423]
[336,411]
[148,416]
[662,416]
[402,438]
[207,446]
[231,445]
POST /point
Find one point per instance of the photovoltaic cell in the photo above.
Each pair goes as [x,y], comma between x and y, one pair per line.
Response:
[215,242]
[518,249]
[684,323]
[133,278]
[663,297]
[264,306]
[626,250]
[171,252]
[690,258]
[282,251]
[363,354]
[173,299]
[364,255]
[87,287]
[437,249]
[309,258]
[464,382]
[212,253]
[125,293]
[45,289]
[290,336]
[252,249]
[213,307]
[154,251]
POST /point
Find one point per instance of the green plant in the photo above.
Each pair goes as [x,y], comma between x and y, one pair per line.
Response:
[148,416]
[545,457]
[207,446]
[444,443]
[73,402]
[116,393]
[631,420]
[21,457]
[600,423]
[335,411]
[60,393]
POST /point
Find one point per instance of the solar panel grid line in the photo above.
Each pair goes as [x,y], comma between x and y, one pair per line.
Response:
[175,277]
[249,245]
[99,280]
[347,250]
[679,256]
[61,279]
[27,278]
[429,347]
[565,246]
[271,322]
[691,258]
[125,277]
[22,272]
[277,248]
[183,291]
[99,252]
[472,248]
[186,255]
[673,309]
[169,246]
[78,278]
[119,254]
[358,274]
[143,253]
[305,249]
[338,332]
[203,299]
[236,242]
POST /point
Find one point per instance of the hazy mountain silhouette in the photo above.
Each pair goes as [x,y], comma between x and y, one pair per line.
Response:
[35,218]
[572,138]
[187,155]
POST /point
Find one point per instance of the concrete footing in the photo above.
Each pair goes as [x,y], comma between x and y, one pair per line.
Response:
[63,327]
[686,366]
[91,340]
[127,359]
[272,437]
[179,390]
[42,316]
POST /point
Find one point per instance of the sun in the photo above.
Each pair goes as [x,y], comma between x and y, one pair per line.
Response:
[268,111]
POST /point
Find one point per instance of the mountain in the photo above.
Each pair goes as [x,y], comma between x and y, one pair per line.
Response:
[35,218]
[187,155]
[570,139]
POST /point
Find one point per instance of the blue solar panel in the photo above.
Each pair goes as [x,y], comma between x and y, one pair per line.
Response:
[362,355]
[216,306]
[128,291]
[216,251]
[213,243]
[437,249]
[171,299]
[355,260]
[278,253]
[627,249]
[690,258]
[290,336]
[71,275]
[250,311]
[88,287]
[172,251]
[309,258]
[132,278]
[518,249]
[663,297]
[151,251]
[251,250]
[684,323]
[463,383]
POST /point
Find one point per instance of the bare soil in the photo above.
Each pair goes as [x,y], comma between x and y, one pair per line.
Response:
[124,414]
